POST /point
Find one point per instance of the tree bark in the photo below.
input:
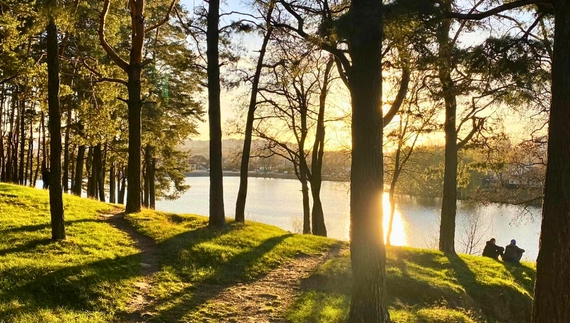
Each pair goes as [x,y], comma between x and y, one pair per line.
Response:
[244,168]
[100,176]
[78,181]
[22,138]
[152,188]
[66,156]
[306,203]
[123,184]
[217,213]
[449,200]
[147,162]
[368,254]
[551,302]
[55,194]
[112,184]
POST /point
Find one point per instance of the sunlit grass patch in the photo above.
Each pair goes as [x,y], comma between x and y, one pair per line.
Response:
[85,278]
[425,286]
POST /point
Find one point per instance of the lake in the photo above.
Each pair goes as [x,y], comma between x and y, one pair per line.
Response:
[279,202]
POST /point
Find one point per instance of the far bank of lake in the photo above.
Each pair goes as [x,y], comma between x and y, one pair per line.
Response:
[279,202]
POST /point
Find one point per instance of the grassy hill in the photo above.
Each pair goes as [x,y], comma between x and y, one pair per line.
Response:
[91,276]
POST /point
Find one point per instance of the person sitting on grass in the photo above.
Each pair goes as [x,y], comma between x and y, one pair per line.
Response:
[513,253]
[492,250]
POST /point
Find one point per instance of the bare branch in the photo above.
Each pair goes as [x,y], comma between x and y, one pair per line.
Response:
[496,10]
[399,97]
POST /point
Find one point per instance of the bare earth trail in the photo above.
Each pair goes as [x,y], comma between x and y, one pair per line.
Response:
[263,300]
[149,266]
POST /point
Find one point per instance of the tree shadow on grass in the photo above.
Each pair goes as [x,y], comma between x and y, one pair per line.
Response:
[43,226]
[221,274]
[84,288]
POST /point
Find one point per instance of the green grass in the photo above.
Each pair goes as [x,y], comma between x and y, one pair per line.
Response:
[86,278]
[192,255]
[426,286]
[90,276]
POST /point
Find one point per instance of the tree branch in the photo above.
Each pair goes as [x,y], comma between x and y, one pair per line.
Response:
[499,9]
[399,97]
[164,20]
[108,49]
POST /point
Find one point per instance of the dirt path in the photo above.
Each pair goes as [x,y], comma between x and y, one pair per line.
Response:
[264,300]
[149,266]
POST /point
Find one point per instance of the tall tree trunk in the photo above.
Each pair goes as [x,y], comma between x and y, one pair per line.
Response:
[55,194]
[318,217]
[449,200]
[217,213]
[10,144]
[123,183]
[306,202]
[30,155]
[135,104]
[551,302]
[244,168]
[101,173]
[92,170]
[152,188]
[22,138]
[78,181]
[2,156]
[147,162]
[112,184]
[66,153]
[368,253]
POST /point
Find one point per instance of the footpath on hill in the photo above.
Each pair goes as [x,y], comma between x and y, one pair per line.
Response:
[263,300]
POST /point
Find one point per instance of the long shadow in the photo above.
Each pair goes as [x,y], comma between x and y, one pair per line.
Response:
[225,275]
[43,226]
[503,295]
[81,288]
[30,245]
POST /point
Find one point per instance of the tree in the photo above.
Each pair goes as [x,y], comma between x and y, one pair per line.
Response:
[133,70]
[244,168]
[361,27]
[217,213]
[55,194]
[551,302]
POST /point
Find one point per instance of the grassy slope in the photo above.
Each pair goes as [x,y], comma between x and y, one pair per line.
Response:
[86,278]
[90,276]
[426,286]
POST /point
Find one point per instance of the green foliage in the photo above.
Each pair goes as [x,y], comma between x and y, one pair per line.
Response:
[426,286]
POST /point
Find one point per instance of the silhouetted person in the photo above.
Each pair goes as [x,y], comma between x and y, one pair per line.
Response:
[45,178]
[492,250]
[513,253]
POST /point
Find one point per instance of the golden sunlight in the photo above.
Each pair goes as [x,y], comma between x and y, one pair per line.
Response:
[398,237]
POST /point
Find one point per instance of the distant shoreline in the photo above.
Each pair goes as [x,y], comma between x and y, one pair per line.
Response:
[256,174]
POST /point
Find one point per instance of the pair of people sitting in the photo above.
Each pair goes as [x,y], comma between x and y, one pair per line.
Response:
[511,253]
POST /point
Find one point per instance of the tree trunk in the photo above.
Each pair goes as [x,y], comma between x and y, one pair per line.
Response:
[147,162]
[123,184]
[551,302]
[318,217]
[112,184]
[92,159]
[22,138]
[368,253]
[449,200]
[78,181]
[10,144]
[217,213]
[30,155]
[134,163]
[152,189]
[306,204]
[244,169]
[100,175]
[392,189]
[2,157]
[55,194]
[66,156]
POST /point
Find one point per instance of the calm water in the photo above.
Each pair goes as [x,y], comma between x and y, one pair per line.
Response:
[279,202]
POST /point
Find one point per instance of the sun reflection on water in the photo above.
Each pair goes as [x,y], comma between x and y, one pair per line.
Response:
[398,236]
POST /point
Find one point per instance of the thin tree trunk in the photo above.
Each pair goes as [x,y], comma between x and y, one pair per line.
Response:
[368,253]
[66,153]
[449,200]
[22,138]
[551,302]
[217,213]
[30,156]
[244,169]
[306,203]
[92,170]
[55,194]
[146,186]
[11,139]
[112,184]
[78,181]
[101,172]
[2,157]
[152,188]
[122,186]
